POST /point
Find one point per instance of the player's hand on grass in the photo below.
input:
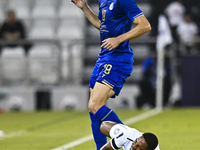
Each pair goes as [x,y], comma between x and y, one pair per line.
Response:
[79,3]
[110,43]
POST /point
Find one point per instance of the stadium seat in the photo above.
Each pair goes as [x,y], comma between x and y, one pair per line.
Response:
[3,4]
[22,12]
[70,29]
[43,12]
[16,52]
[13,64]
[16,3]
[41,33]
[44,9]
[69,33]
[43,64]
[41,51]
[2,10]
[68,10]
[42,29]
[45,2]
[21,7]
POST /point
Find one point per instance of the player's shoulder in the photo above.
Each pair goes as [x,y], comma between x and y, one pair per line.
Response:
[128,131]
[118,129]
[134,133]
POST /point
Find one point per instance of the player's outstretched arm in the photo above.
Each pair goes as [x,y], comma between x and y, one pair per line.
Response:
[91,16]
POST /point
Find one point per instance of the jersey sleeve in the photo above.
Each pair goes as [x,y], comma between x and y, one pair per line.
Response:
[123,136]
[118,135]
[118,141]
[130,8]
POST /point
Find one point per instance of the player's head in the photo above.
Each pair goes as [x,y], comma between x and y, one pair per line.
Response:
[151,140]
[147,141]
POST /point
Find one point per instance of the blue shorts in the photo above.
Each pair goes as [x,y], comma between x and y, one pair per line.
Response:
[111,73]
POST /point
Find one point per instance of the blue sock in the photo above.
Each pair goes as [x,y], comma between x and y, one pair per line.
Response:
[103,114]
[99,138]
[106,114]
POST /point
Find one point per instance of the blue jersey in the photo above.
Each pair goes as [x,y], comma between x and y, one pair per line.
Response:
[116,17]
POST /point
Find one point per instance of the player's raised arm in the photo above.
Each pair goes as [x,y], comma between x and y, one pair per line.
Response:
[91,16]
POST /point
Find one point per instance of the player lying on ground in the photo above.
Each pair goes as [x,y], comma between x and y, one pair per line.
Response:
[126,137]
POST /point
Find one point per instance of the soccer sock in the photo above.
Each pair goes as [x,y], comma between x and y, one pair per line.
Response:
[107,114]
[103,114]
[99,138]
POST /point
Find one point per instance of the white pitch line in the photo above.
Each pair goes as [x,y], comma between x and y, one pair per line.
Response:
[142,116]
[75,143]
[13,134]
[127,122]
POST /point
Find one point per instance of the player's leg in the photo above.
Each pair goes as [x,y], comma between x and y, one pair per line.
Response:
[99,95]
[99,112]
[94,105]
[111,83]
[99,138]
[110,79]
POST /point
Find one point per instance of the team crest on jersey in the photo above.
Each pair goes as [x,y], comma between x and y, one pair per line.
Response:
[116,131]
[111,6]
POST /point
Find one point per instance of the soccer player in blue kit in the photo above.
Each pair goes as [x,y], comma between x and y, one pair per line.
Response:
[115,61]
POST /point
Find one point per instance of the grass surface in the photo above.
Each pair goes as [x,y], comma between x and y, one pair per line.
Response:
[177,129]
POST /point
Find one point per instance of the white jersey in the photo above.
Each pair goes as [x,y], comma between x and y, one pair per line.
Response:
[123,136]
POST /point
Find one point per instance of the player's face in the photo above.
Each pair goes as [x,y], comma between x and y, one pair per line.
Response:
[139,144]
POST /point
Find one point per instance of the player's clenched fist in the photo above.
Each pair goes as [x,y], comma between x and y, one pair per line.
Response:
[79,3]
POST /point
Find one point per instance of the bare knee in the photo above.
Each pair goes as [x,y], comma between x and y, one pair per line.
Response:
[94,105]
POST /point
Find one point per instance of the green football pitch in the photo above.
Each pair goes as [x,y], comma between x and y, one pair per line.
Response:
[177,129]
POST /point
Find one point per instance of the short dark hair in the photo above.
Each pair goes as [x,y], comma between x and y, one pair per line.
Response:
[151,140]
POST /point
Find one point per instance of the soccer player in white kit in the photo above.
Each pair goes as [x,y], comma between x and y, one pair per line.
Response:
[128,138]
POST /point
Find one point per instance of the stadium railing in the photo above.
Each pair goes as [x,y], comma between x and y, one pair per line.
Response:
[73,58]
